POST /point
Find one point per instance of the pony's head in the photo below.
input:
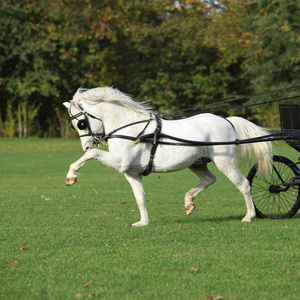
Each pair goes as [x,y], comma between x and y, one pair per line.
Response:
[89,127]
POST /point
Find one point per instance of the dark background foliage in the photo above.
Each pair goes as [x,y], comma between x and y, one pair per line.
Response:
[179,54]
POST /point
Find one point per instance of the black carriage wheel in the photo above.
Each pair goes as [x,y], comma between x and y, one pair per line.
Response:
[273,196]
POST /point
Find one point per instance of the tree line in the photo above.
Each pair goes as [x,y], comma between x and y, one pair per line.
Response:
[177,53]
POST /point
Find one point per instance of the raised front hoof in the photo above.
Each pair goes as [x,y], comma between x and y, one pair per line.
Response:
[70,181]
[189,210]
[140,224]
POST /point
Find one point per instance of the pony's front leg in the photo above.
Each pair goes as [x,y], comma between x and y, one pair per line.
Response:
[113,160]
[136,183]
[74,168]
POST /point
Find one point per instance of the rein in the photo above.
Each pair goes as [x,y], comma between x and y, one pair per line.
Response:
[235,99]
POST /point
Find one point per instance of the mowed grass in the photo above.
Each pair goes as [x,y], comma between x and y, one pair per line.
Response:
[59,242]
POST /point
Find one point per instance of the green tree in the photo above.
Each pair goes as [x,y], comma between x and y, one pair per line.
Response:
[179,54]
[46,51]
[272,59]
[167,56]
[273,56]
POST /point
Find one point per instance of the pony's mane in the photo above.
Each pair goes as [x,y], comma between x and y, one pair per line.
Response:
[109,94]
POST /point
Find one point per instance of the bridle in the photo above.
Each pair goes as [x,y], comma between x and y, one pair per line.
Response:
[85,124]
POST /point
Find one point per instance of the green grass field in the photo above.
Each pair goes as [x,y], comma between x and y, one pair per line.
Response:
[59,242]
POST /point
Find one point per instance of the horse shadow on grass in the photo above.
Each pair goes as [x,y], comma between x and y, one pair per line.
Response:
[199,220]
[227,218]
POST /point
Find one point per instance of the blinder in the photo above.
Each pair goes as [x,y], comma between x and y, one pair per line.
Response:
[81,124]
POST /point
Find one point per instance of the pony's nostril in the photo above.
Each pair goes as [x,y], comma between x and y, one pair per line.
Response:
[88,148]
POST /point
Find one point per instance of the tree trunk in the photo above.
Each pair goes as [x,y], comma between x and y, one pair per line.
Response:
[1,124]
[25,119]
[20,121]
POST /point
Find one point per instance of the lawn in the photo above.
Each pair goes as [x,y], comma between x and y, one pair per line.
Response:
[59,242]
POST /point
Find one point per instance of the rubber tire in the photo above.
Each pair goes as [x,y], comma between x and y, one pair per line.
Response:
[274,205]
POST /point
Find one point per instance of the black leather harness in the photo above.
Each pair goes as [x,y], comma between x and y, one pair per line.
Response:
[154,138]
[140,138]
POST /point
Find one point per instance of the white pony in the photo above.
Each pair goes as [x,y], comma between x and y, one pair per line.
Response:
[140,142]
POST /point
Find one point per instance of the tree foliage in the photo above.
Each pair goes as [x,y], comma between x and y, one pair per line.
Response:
[273,56]
[272,59]
[179,54]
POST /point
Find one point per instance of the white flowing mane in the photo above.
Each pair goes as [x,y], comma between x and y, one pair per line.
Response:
[109,94]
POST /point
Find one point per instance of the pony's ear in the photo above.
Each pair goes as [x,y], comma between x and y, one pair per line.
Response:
[67,104]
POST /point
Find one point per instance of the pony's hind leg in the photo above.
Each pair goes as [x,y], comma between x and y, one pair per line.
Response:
[229,167]
[206,179]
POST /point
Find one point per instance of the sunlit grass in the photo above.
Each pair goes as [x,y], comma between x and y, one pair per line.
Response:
[61,242]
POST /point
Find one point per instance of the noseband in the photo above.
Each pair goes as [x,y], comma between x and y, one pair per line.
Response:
[85,124]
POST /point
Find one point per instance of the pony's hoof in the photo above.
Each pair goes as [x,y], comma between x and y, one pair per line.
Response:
[71,181]
[139,224]
[247,220]
[189,210]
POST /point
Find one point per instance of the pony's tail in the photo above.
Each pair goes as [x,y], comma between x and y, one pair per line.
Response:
[263,150]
